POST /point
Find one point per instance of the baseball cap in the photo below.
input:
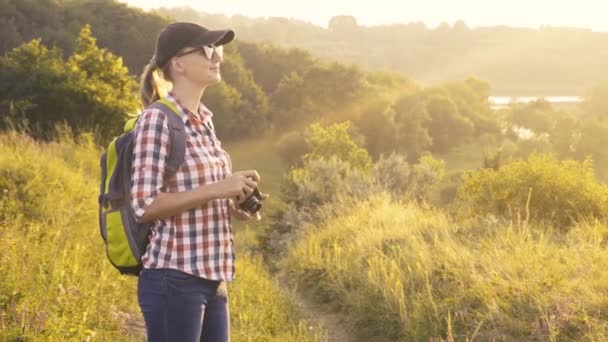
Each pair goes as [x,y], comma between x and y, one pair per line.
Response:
[179,35]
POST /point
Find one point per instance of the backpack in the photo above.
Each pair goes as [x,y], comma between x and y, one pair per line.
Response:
[126,239]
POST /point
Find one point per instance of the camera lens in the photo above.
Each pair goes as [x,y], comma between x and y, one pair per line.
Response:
[254,206]
[253,203]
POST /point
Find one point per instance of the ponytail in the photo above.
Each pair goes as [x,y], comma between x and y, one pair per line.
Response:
[148,88]
[154,83]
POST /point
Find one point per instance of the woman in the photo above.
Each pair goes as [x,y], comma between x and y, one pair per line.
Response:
[191,250]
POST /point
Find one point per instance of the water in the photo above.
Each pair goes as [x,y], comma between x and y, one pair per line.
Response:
[498,102]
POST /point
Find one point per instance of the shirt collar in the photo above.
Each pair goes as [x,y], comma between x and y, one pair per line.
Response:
[204,113]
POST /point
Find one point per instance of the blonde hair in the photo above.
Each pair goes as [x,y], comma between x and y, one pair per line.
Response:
[154,83]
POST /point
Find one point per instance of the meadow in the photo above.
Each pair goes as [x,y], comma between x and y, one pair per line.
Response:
[56,282]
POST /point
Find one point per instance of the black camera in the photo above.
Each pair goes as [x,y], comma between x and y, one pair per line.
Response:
[253,203]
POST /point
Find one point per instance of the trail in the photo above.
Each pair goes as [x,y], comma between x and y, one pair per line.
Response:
[327,323]
[134,327]
[324,323]
[319,318]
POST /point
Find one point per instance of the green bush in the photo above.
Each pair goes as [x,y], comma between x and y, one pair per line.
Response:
[336,174]
[322,181]
[336,140]
[540,188]
[395,176]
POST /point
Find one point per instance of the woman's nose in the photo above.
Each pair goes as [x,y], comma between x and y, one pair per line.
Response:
[216,58]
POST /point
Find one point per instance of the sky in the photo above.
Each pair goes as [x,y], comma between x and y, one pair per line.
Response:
[590,14]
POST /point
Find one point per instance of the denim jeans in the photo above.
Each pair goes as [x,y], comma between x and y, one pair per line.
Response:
[179,307]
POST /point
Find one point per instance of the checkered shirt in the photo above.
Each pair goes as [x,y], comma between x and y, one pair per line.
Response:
[197,241]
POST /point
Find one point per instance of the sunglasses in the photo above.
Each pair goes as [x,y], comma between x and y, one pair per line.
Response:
[208,51]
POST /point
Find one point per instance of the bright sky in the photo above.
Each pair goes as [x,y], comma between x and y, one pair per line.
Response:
[591,14]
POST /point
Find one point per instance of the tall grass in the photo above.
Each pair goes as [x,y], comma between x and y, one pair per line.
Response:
[55,281]
[402,273]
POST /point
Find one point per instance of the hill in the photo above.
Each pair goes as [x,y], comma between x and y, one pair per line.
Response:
[516,61]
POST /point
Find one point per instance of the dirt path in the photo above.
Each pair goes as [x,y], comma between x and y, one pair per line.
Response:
[134,327]
[326,323]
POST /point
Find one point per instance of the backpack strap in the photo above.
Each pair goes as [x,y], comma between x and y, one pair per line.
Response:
[177,134]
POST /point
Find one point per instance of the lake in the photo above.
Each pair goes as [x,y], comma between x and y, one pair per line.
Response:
[498,102]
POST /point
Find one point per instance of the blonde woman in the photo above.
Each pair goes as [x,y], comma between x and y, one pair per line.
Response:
[190,251]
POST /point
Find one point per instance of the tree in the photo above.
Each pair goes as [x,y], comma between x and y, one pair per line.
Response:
[538,116]
[246,112]
[596,102]
[377,124]
[287,101]
[411,134]
[332,85]
[224,100]
[9,35]
[564,135]
[323,90]
[123,30]
[90,92]
[446,127]
[105,81]
[471,99]
[269,64]
[343,24]
[31,76]
[593,141]
[461,27]
[335,140]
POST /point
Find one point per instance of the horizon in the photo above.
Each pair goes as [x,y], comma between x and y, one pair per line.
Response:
[584,14]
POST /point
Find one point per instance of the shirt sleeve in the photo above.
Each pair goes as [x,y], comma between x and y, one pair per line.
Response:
[151,146]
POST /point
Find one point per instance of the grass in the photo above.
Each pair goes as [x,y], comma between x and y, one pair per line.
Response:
[398,272]
[57,284]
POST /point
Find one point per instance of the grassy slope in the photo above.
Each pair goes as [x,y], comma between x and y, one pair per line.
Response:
[56,282]
[412,274]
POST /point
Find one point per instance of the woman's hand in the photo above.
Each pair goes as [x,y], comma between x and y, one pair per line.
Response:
[238,185]
[243,215]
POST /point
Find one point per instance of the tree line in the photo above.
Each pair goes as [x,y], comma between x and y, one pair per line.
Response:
[82,78]
[563,60]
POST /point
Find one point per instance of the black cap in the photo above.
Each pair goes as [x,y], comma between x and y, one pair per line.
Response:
[177,36]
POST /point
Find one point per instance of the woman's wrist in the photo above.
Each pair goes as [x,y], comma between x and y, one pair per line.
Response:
[209,192]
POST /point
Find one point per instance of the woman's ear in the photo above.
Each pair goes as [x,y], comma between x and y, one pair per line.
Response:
[177,65]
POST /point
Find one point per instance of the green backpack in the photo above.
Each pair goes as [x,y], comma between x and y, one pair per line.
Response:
[126,239]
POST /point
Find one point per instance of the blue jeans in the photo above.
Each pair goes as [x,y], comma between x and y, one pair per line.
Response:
[179,307]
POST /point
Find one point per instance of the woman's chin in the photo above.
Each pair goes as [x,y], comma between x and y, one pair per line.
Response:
[213,79]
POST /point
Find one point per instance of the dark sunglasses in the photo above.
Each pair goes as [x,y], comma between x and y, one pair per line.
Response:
[208,51]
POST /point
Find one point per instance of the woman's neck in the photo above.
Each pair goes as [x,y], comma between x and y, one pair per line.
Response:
[188,96]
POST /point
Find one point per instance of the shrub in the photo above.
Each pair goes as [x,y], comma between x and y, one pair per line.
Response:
[540,188]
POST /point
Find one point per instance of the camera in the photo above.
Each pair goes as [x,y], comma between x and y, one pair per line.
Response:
[253,203]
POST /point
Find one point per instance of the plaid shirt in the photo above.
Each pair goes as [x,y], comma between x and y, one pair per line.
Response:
[197,241]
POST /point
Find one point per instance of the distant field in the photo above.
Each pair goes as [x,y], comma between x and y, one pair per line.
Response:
[259,154]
